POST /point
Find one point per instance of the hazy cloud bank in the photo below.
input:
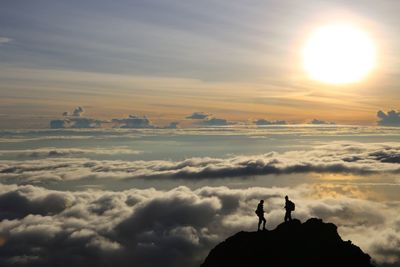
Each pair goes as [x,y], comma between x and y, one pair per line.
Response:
[49,152]
[40,227]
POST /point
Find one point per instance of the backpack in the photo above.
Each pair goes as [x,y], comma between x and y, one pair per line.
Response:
[292,206]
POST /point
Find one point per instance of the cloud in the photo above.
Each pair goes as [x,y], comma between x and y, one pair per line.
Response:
[134,121]
[340,157]
[50,152]
[262,122]
[75,120]
[172,125]
[215,122]
[5,40]
[85,123]
[148,227]
[58,124]
[321,122]
[77,112]
[198,116]
[391,118]
[78,122]
[107,228]
[289,131]
[207,120]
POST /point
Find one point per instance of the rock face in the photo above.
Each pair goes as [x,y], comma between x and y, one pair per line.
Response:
[292,244]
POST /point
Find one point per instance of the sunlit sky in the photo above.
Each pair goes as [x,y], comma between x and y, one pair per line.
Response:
[111,146]
[237,60]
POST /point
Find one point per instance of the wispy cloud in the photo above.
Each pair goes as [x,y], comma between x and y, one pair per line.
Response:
[4,40]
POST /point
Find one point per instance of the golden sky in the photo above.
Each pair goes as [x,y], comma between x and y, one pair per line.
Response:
[242,64]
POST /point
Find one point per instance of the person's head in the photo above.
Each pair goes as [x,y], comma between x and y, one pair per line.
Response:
[286,197]
[262,201]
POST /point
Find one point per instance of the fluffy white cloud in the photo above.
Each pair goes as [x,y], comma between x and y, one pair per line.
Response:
[41,227]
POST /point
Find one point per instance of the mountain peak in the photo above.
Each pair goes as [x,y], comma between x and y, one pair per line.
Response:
[313,243]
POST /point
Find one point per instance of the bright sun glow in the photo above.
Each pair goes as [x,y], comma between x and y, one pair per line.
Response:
[338,54]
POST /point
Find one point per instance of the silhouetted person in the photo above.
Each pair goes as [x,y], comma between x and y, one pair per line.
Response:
[260,213]
[289,207]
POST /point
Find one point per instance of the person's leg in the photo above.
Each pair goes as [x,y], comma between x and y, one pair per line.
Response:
[290,215]
[259,223]
[286,216]
[264,222]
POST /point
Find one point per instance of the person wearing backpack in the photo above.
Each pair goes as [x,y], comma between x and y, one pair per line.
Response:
[289,207]
[260,213]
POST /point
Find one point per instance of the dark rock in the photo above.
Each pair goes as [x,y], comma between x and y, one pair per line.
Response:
[292,244]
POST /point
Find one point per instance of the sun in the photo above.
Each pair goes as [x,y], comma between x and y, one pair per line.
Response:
[339,54]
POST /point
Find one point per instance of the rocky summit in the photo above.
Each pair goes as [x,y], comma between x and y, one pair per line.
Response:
[294,244]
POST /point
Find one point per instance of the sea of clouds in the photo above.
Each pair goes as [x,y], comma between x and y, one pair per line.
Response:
[178,227]
[44,223]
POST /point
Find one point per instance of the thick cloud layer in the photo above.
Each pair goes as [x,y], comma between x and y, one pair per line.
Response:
[40,227]
[349,157]
[391,118]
